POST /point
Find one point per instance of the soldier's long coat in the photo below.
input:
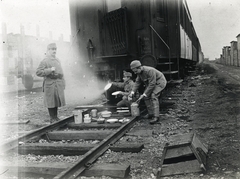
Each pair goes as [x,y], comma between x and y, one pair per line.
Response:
[53,88]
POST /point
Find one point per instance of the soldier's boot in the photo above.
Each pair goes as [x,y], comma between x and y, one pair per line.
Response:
[154,120]
[155,108]
[56,114]
[148,104]
[148,116]
[51,112]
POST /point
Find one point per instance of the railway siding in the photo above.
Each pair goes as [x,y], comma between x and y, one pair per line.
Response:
[74,145]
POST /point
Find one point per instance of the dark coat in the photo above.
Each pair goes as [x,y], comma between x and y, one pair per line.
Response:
[53,84]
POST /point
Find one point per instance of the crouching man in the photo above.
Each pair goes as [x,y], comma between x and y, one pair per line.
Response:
[126,86]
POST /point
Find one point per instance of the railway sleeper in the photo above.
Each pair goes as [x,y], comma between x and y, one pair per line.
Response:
[49,170]
[72,149]
[76,135]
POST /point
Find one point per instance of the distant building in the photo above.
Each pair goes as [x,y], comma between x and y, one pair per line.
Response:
[23,53]
[231,54]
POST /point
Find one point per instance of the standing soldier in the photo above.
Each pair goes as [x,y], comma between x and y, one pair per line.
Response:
[54,83]
[155,82]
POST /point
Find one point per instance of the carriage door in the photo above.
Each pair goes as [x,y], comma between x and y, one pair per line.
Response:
[115,31]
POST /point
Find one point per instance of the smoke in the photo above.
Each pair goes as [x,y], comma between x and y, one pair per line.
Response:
[82,92]
[82,86]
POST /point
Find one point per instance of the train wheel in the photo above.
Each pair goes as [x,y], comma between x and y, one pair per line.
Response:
[149,60]
[27,81]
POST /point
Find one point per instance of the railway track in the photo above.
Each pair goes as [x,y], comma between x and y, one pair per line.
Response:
[107,134]
[66,139]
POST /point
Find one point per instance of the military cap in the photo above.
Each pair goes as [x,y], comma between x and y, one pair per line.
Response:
[135,64]
[51,45]
[127,74]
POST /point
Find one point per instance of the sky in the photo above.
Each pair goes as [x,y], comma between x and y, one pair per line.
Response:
[216,21]
[49,15]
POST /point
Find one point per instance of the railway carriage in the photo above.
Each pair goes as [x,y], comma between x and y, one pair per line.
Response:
[110,34]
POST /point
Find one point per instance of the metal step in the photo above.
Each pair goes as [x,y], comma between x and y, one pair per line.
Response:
[165,63]
[175,81]
[169,72]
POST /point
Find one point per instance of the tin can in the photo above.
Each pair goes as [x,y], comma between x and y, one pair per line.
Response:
[135,109]
[94,113]
[87,120]
[78,116]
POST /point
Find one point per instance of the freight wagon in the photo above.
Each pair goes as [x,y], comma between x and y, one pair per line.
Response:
[110,34]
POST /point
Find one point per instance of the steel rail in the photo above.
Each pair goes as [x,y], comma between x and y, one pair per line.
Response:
[43,130]
[87,160]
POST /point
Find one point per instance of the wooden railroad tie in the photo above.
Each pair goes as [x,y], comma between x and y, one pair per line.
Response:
[49,170]
[69,149]
[183,154]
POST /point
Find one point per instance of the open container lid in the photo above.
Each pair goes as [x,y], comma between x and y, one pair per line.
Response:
[107,86]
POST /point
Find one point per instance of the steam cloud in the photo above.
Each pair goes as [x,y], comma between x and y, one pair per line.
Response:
[82,87]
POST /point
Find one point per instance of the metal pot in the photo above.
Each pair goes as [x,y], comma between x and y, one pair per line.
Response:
[106,113]
[100,120]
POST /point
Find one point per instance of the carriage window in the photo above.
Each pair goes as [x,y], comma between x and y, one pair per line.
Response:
[113,5]
[160,8]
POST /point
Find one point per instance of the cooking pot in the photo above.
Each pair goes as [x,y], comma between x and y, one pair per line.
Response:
[100,120]
[106,113]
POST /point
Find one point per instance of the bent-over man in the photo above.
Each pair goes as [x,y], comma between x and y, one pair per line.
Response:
[155,82]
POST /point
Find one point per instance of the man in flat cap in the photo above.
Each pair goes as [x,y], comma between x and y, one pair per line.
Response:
[155,82]
[54,84]
[126,86]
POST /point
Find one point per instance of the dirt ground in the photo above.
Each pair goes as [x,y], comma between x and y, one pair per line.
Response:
[209,105]
[215,117]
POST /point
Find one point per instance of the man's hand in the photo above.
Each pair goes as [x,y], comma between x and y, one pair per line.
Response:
[130,96]
[121,93]
[141,97]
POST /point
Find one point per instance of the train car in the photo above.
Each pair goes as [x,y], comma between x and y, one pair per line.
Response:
[110,34]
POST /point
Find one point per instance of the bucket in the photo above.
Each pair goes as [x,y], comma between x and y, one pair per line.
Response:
[135,110]
[77,116]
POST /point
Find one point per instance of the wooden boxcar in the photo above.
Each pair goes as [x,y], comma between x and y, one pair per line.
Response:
[110,34]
